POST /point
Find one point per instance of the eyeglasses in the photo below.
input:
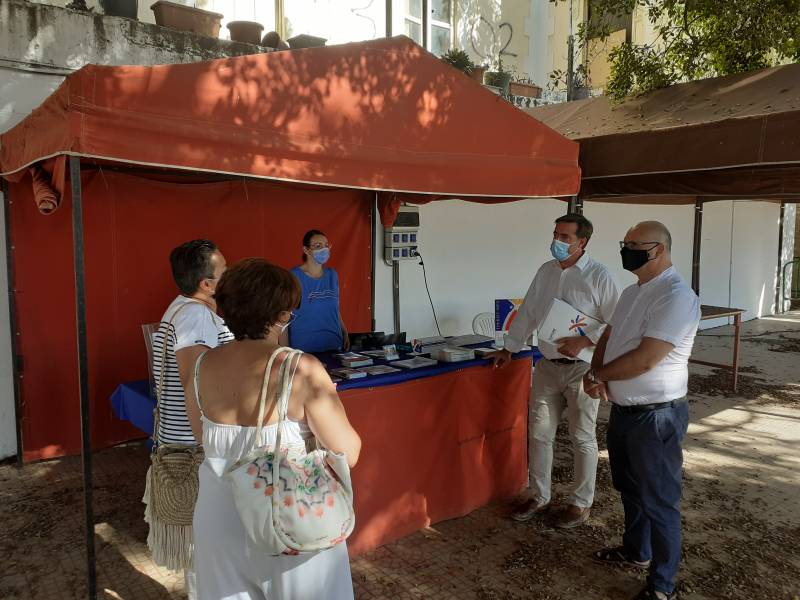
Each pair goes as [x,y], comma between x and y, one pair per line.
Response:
[319,246]
[636,245]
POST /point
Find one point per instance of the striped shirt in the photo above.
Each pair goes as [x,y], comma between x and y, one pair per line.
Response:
[194,325]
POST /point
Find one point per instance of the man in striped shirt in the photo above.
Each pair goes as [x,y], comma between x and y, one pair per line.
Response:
[189,326]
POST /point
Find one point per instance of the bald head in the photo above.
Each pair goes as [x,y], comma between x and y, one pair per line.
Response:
[651,231]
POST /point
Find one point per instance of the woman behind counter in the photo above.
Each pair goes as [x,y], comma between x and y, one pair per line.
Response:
[318,324]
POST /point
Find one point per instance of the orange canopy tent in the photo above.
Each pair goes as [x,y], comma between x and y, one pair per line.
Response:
[384,115]
[347,123]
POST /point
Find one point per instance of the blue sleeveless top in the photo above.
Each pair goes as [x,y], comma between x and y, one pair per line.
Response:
[316,327]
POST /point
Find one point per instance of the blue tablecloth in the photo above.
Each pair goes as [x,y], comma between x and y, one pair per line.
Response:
[132,400]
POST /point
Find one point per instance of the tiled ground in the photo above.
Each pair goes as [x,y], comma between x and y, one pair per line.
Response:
[741,514]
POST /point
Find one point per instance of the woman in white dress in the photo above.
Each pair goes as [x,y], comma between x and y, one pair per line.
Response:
[257,299]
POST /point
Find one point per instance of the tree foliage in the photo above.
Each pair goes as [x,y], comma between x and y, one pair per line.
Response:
[694,39]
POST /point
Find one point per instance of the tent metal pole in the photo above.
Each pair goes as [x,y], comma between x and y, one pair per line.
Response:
[425,20]
[372,249]
[388,18]
[698,234]
[780,279]
[83,370]
[396,294]
[575,205]
[12,320]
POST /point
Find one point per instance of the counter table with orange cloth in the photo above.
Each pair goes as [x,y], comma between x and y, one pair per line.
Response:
[434,447]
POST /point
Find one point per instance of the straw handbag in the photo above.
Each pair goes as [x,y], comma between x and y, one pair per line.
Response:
[291,501]
[171,489]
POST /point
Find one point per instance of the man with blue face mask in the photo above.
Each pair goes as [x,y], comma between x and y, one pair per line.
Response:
[587,286]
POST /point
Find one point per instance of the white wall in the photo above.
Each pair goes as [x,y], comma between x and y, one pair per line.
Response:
[612,221]
[739,256]
[788,253]
[475,253]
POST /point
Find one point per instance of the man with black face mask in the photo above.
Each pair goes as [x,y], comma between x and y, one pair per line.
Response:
[640,364]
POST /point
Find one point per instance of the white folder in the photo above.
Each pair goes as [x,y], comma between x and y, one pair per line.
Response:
[562,320]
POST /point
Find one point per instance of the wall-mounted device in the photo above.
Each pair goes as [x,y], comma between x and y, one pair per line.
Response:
[401,239]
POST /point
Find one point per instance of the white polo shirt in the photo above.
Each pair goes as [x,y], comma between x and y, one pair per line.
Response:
[664,308]
[587,285]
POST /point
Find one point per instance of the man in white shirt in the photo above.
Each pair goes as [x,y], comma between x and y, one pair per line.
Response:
[641,366]
[558,378]
[189,326]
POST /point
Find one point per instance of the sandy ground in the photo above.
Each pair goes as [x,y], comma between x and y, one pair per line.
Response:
[741,511]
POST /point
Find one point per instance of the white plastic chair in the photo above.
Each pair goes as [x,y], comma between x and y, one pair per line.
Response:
[483,324]
[149,330]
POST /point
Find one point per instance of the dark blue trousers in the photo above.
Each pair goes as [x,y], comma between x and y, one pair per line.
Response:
[644,449]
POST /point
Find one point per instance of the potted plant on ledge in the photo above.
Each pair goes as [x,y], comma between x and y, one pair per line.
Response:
[498,78]
[523,91]
[458,59]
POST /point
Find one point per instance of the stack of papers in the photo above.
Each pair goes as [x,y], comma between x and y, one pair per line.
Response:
[453,354]
[466,340]
[415,363]
[378,370]
[347,373]
[351,359]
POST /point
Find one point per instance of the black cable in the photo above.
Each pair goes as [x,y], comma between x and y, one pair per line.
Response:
[425,277]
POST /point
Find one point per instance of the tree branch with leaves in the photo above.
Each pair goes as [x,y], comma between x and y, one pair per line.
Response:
[694,39]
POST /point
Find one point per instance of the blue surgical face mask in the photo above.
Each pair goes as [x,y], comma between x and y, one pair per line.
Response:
[560,250]
[322,255]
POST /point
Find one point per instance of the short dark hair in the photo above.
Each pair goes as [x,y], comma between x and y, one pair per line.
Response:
[307,239]
[252,294]
[191,263]
[585,228]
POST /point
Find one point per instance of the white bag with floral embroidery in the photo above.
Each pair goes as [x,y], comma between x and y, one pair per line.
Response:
[311,506]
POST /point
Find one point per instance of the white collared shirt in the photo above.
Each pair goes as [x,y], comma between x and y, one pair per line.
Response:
[664,308]
[587,286]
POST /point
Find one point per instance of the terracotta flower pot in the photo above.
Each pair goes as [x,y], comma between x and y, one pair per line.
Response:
[524,89]
[248,32]
[187,18]
[477,73]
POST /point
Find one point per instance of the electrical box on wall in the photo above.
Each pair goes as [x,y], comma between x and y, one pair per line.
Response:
[401,239]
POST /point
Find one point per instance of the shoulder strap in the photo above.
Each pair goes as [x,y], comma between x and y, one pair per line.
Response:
[284,386]
[197,380]
[288,370]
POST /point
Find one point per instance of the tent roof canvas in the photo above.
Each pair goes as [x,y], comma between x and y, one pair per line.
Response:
[383,115]
[724,137]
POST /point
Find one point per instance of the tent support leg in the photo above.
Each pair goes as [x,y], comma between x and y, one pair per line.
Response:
[780,282]
[388,18]
[698,234]
[396,294]
[83,370]
[12,320]
[372,249]
[425,18]
[575,205]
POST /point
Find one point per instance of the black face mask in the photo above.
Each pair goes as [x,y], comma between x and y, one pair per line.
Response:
[633,259]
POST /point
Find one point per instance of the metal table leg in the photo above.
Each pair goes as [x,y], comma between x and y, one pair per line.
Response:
[737,325]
